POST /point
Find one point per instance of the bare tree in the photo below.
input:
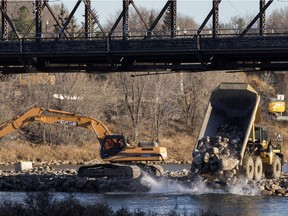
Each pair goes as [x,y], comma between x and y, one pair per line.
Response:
[133,93]
[162,104]
[190,97]
[277,21]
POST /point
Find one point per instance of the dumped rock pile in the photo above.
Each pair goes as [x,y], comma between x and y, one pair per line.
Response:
[218,156]
[47,179]
[274,187]
[50,180]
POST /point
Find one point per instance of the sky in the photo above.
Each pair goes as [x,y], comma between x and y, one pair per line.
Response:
[197,9]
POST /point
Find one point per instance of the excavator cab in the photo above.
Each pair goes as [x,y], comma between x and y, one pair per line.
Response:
[111,145]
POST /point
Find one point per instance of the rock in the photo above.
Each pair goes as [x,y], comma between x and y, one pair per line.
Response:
[66,185]
[266,192]
[24,165]
[81,183]
[280,191]
[198,158]
[223,144]
[215,151]
[214,164]
[275,187]
[228,163]
[206,157]
[228,174]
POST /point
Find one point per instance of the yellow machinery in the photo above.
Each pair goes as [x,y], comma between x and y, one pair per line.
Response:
[113,147]
[276,106]
[278,109]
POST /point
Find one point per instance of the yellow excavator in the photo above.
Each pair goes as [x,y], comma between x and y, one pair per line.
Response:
[122,159]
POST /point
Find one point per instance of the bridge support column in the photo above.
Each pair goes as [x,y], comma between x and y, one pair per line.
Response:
[215,18]
[262,18]
[88,19]
[38,12]
[173,20]
[125,27]
[4,21]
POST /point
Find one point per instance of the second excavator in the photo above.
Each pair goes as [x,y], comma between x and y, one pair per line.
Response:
[121,159]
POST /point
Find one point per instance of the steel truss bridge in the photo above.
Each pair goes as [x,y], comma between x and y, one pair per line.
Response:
[109,51]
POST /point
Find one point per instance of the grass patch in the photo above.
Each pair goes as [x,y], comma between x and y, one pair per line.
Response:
[14,151]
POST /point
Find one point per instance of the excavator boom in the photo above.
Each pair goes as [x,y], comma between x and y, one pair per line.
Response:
[51,116]
[20,121]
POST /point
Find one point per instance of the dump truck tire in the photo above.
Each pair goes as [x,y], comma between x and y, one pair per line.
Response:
[276,168]
[248,168]
[258,168]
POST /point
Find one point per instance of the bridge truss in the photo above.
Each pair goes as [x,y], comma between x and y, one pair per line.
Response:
[111,50]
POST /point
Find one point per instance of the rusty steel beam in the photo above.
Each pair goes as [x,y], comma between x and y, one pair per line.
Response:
[139,14]
[262,20]
[38,14]
[7,18]
[124,13]
[69,18]
[45,4]
[207,19]
[173,18]
[215,18]
[263,9]
[93,16]
[54,17]
[4,21]
[34,22]
[88,19]
[116,24]
[125,27]
[153,25]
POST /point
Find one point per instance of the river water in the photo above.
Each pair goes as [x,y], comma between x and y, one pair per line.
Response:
[165,196]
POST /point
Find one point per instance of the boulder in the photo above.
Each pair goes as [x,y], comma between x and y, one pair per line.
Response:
[266,192]
[198,158]
[228,163]
[23,165]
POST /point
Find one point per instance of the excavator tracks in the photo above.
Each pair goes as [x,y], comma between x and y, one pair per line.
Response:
[120,170]
[110,171]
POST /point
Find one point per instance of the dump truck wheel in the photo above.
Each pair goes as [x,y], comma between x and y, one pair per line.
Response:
[276,168]
[248,168]
[258,168]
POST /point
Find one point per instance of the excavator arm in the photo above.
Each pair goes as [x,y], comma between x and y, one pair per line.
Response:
[51,116]
[20,121]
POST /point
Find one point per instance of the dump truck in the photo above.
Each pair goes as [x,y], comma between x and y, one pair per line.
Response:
[231,139]
[121,158]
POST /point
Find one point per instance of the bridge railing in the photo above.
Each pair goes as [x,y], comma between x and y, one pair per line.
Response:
[139,41]
[118,35]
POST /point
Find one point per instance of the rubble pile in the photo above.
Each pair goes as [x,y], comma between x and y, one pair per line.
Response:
[217,157]
[274,187]
[48,179]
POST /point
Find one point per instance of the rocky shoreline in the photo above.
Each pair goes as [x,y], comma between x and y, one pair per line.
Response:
[44,178]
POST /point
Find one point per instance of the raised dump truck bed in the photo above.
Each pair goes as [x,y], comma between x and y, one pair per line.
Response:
[232,104]
[230,140]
